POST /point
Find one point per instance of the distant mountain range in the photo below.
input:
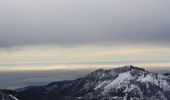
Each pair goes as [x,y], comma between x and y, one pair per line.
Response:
[124,83]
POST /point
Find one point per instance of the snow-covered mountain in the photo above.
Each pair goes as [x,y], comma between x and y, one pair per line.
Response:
[124,83]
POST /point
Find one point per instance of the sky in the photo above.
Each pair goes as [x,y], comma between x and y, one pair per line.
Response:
[42,41]
[83,34]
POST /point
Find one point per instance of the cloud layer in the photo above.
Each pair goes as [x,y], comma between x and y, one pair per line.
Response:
[77,22]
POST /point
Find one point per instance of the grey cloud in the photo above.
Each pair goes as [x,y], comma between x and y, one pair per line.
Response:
[77,22]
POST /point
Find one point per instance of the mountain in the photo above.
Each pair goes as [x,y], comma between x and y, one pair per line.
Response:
[124,83]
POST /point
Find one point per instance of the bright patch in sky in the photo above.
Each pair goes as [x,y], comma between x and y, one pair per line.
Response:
[82,57]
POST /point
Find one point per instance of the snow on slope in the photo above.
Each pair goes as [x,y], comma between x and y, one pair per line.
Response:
[131,80]
[120,79]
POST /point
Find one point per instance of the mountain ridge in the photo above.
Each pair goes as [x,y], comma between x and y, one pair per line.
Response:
[122,83]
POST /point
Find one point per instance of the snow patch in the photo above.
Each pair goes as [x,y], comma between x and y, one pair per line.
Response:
[101,85]
[120,79]
[14,98]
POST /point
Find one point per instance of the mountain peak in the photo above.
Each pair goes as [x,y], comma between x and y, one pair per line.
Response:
[133,67]
[102,73]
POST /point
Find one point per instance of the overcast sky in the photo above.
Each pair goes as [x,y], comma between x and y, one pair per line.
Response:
[74,37]
[52,34]
[83,22]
